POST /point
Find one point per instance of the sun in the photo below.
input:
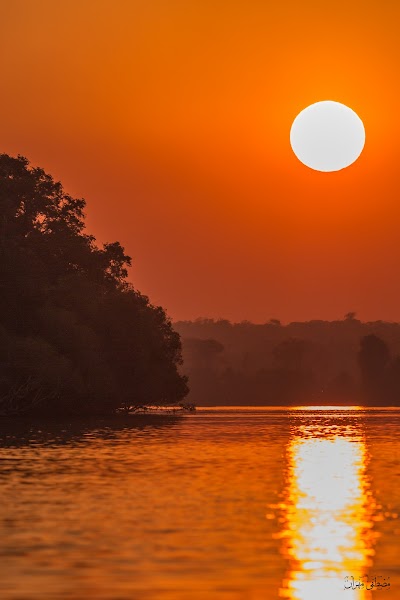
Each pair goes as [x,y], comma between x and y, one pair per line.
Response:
[327,136]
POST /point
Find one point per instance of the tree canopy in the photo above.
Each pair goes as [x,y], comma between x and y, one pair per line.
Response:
[314,362]
[75,336]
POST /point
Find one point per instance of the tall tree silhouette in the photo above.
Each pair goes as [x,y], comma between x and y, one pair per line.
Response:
[374,357]
[75,335]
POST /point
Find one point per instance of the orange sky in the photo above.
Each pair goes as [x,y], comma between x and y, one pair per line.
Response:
[172,119]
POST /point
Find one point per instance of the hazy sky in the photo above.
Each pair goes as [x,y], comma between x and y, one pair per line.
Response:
[172,119]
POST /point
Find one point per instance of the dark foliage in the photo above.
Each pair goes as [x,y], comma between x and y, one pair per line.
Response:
[315,362]
[75,337]
[380,373]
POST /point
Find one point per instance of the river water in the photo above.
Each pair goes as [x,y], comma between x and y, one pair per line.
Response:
[225,504]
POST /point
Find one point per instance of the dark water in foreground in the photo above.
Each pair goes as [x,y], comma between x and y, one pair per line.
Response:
[225,504]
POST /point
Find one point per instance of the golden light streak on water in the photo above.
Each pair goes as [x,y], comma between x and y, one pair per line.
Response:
[328,408]
[328,522]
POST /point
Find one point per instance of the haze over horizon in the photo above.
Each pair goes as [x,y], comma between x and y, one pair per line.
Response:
[173,122]
[279,322]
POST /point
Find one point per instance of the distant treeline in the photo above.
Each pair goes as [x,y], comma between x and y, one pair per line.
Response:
[75,337]
[314,362]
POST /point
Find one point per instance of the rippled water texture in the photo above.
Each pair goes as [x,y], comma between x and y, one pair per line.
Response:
[225,504]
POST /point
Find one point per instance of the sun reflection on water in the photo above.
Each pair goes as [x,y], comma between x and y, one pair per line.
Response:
[327,512]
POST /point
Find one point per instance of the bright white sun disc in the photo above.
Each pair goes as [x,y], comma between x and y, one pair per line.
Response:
[327,136]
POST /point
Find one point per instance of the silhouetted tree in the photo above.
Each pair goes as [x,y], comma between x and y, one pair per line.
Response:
[203,359]
[374,357]
[75,335]
[290,354]
[350,316]
[393,381]
[202,353]
[260,366]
